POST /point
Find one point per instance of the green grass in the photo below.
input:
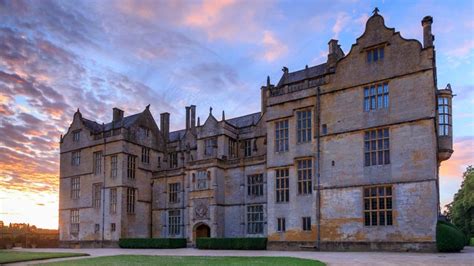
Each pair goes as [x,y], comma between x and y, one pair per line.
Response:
[18,256]
[472,242]
[189,260]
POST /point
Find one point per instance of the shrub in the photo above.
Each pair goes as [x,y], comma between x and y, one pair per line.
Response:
[232,243]
[449,238]
[152,242]
[472,242]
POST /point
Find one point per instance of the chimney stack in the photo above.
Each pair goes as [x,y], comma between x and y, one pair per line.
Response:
[334,52]
[117,114]
[165,125]
[188,120]
[193,116]
[428,38]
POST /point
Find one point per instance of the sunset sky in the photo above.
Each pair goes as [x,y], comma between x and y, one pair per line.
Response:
[57,56]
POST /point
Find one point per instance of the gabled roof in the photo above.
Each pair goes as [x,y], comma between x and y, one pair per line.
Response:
[176,135]
[126,122]
[303,74]
[245,121]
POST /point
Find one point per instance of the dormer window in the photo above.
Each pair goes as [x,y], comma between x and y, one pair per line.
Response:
[375,54]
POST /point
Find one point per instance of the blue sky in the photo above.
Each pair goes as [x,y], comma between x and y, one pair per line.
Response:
[57,56]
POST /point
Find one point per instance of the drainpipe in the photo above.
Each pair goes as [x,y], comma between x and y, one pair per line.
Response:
[151,210]
[318,164]
[103,188]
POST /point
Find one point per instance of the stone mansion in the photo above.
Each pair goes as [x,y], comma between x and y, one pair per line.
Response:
[343,155]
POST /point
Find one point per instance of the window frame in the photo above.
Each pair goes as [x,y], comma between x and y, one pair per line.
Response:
[96,195]
[282,185]
[247,147]
[371,195]
[76,158]
[281,224]
[255,184]
[377,147]
[376,96]
[174,222]
[375,54]
[282,135]
[113,166]
[306,223]
[304,169]
[113,201]
[76,135]
[145,155]
[444,116]
[75,221]
[75,187]
[255,219]
[131,166]
[173,192]
[304,126]
[97,165]
[131,198]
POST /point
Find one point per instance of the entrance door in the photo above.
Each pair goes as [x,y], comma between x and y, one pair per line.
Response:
[203,231]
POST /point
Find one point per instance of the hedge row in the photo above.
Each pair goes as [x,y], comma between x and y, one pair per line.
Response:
[152,242]
[232,243]
[449,238]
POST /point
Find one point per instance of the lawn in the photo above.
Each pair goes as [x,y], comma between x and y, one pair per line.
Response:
[188,260]
[18,256]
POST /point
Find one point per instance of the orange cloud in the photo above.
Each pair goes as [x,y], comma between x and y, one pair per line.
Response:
[462,157]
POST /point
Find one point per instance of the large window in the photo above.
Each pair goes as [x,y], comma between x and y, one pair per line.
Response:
[76,158]
[96,194]
[378,206]
[97,162]
[375,54]
[303,127]
[376,97]
[305,174]
[281,225]
[173,190]
[174,221]
[130,200]
[255,219]
[281,136]
[247,147]
[210,146]
[255,185]
[131,166]
[444,113]
[145,155]
[377,147]
[282,185]
[74,221]
[75,187]
[113,200]
[113,166]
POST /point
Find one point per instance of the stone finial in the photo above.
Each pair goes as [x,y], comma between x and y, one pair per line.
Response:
[148,106]
[376,11]
[223,115]
[448,87]
[285,70]
[210,110]
[268,81]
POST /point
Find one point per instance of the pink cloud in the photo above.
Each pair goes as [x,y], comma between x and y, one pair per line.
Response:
[273,48]
[462,157]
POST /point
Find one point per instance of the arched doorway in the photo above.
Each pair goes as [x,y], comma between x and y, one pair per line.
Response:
[202,230]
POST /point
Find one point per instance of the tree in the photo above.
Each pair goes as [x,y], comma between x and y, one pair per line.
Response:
[461,210]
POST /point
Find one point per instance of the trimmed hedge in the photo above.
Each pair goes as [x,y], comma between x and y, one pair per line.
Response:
[257,243]
[449,238]
[152,242]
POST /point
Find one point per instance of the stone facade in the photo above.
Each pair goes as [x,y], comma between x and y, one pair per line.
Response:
[343,155]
